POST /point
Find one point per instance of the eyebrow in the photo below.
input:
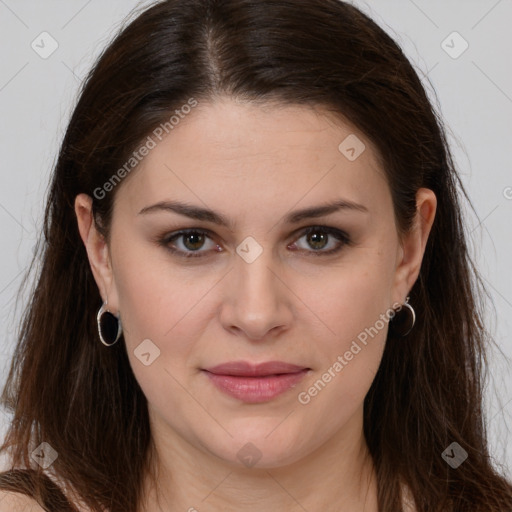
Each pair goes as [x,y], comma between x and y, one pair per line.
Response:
[207,215]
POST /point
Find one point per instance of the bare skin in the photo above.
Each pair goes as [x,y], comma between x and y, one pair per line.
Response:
[255,165]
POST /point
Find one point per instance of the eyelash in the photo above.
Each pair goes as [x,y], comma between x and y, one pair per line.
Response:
[336,233]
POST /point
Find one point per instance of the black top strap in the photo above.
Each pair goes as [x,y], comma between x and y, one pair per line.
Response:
[24,481]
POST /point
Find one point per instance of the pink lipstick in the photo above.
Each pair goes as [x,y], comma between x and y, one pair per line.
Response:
[255,383]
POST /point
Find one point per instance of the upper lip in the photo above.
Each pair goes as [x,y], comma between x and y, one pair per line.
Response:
[246,369]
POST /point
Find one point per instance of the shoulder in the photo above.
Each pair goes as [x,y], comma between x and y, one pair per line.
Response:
[407,500]
[20,486]
[18,502]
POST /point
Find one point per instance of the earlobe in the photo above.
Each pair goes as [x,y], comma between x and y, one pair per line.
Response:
[96,247]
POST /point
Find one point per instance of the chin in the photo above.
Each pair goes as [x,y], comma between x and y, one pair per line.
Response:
[261,451]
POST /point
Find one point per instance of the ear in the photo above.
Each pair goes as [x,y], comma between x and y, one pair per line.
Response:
[97,251]
[412,248]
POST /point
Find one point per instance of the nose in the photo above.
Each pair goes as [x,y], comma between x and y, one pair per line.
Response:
[257,302]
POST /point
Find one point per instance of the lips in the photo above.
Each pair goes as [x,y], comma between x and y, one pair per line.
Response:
[255,383]
[245,369]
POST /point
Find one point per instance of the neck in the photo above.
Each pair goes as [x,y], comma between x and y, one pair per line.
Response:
[337,476]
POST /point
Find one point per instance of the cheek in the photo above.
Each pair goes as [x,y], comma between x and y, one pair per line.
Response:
[354,307]
[161,310]
[351,357]
[156,296]
[161,323]
[350,298]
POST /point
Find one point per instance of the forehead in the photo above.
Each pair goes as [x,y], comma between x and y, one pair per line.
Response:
[261,154]
[251,131]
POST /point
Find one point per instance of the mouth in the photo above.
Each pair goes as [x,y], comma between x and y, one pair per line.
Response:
[255,383]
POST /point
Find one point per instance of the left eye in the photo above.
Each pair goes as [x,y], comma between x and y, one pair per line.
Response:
[317,237]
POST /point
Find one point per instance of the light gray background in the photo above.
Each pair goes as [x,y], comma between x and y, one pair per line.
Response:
[474,93]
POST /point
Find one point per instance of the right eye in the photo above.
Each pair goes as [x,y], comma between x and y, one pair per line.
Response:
[192,240]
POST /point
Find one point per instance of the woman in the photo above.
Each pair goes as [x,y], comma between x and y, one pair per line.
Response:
[256,292]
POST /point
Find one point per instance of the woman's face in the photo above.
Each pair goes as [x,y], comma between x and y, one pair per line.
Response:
[258,288]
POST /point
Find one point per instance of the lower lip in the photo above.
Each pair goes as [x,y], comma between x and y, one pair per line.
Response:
[256,389]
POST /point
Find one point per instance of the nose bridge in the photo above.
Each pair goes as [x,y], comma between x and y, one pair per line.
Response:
[254,279]
[257,303]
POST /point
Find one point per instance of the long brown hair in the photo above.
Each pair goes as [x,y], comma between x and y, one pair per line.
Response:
[66,389]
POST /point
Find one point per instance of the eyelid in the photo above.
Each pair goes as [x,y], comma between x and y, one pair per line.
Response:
[343,238]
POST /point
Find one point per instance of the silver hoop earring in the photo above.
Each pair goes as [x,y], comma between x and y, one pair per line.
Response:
[109,326]
[403,323]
